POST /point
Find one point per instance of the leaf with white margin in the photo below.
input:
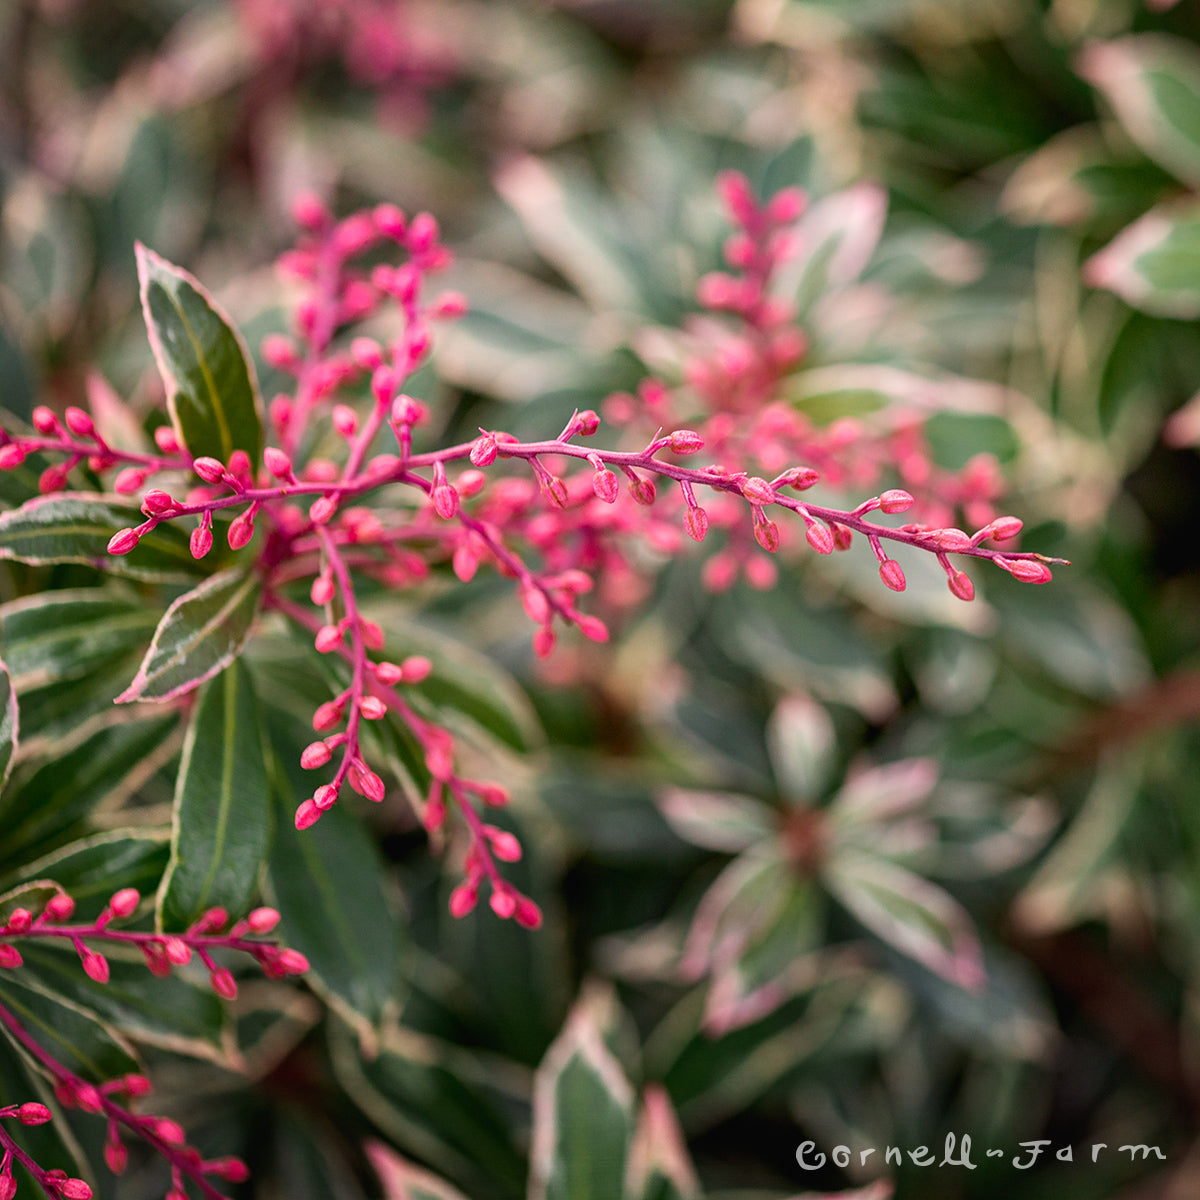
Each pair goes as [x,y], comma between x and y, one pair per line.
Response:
[916,917]
[199,636]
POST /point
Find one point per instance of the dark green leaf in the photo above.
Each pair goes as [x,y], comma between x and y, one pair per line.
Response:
[76,527]
[8,724]
[210,384]
[95,867]
[222,806]
[329,885]
[199,636]
[582,1117]
[47,801]
[60,635]
[77,1038]
[172,1013]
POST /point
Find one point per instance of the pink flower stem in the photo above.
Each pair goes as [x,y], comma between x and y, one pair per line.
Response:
[181,1159]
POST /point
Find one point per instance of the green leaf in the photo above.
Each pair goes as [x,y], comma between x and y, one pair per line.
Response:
[76,527]
[173,1013]
[582,1117]
[660,1166]
[77,1038]
[93,868]
[802,744]
[66,634]
[1154,264]
[1152,83]
[912,914]
[329,885]
[441,1102]
[48,800]
[221,829]
[8,724]
[211,389]
[199,636]
[401,1180]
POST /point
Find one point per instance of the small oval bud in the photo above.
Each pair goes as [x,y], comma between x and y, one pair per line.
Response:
[95,966]
[503,904]
[895,500]
[322,590]
[1003,528]
[223,983]
[116,1157]
[322,509]
[124,902]
[820,538]
[685,441]
[165,440]
[588,422]
[11,457]
[209,469]
[892,574]
[10,957]
[123,541]
[758,491]
[593,628]
[604,484]
[79,423]
[329,638]
[201,541]
[157,503]
[307,814]
[59,908]
[74,1189]
[241,530]
[951,540]
[445,501]
[325,797]
[372,708]
[44,420]
[277,462]
[961,586]
[32,1113]
[643,491]
[417,668]
[128,481]
[483,451]
[263,920]
[1027,570]
[315,755]
[528,915]
[695,521]
[463,899]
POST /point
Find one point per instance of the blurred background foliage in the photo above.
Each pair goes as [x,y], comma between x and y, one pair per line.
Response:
[699,798]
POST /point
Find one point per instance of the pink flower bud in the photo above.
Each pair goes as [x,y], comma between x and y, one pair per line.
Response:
[44,421]
[554,490]
[503,904]
[309,212]
[223,983]
[686,441]
[372,708]
[801,478]
[124,902]
[170,1131]
[307,814]
[59,908]
[892,574]
[758,491]
[504,845]
[156,503]
[32,1113]
[95,966]
[445,501]
[388,673]
[604,484]
[543,642]
[262,920]
[128,481]
[241,530]
[786,205]
[10,956]
[417,668]
[737,196]
[322,509]
[895,501]
[325,797]
[389,220]
[1003,528]
[209,469]
[766,534]
[593,629]
[493,795]
[277,462]
[233,1170]
[329,638]
[528,915]
[407,411]
[327,716]
[588,422]
[820,538]
[315,755]
[291,962]
[74,1189]
[201,541]
[8,1187]
[422,233]
[1026,570]
[177,951]
[643,491]
[19,920]
[116,1157]
[953,540]
[11,457]
[961,586]
[123,541]
[463,899]
[53,479]
[134,1085]
[79,423]
[483,451]
[345,420]
[372,786]
[695,521]
[322,590]
[165,439]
